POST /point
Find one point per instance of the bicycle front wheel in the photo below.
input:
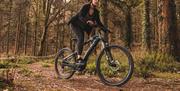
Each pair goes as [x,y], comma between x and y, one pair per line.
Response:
[115,65]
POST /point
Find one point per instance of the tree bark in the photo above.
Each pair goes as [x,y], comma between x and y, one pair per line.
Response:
[46,26]
[35,38]
[26,37]
[128,35]
[18,31]
[146,40]
[167,27]
[9,27]
[104,16]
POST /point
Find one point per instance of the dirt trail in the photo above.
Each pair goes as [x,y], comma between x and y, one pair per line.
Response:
[44,79]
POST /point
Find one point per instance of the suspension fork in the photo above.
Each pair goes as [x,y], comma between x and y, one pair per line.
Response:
[108,53]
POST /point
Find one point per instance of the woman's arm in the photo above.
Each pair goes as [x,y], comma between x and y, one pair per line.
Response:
[98,20]
[99,23]
[83,12]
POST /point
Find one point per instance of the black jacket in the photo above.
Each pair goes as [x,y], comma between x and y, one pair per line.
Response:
[80,21]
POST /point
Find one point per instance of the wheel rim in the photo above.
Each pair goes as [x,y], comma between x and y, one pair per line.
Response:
[64,71]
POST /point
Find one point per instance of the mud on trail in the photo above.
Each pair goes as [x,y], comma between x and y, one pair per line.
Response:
[35,77]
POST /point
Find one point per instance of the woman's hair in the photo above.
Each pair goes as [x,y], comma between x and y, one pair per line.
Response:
[90,1]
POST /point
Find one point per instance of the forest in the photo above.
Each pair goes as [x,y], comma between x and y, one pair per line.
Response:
[33,31]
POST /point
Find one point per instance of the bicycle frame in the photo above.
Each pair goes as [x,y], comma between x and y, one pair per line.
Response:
[95,40]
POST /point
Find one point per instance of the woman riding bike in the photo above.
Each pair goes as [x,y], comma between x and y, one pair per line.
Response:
[84,22]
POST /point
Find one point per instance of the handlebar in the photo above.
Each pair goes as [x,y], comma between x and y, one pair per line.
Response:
[106,30]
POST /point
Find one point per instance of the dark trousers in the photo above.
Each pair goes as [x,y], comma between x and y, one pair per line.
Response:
[80,38]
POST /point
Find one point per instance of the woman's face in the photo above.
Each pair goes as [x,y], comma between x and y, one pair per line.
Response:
[95,2]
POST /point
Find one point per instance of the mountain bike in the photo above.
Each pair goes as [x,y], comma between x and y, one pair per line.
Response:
[114,64]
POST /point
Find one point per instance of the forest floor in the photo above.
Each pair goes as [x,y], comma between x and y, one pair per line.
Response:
[41,76]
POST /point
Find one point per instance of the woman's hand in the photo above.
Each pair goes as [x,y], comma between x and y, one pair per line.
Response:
[90,22]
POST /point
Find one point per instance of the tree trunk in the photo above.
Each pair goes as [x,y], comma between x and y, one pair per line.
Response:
[155,23]
[178,30]
[9,27]
[146,40]
[42,41]
[167,27]
[46,47]
[1,20]
[36,27]
[57,37]
[26,36]
[18,31]
[128,35]
[35,38]
[27,26]
[104,12]
[46,26]
[62,36]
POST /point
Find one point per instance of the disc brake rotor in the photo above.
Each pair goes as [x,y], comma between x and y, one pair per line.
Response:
[116,62]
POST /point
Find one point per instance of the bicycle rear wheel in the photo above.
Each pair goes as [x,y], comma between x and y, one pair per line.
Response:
[114,65]
[64,58]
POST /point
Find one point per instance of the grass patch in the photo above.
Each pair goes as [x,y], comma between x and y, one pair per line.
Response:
[7,72]
[143,68]
[26,61]
[4,65]
[37,75]
[91,69]
[46,65]
[147,66]
[7,64]
[166,75]
[5,85]
[91,66]
[155,62]
[50,61]
[25,72]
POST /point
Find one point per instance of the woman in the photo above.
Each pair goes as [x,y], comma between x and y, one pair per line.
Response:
[84,21]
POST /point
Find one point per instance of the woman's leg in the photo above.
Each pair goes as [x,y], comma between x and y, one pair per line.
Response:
[80,39]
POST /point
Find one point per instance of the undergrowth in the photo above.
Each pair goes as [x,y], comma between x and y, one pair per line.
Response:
[155,62]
